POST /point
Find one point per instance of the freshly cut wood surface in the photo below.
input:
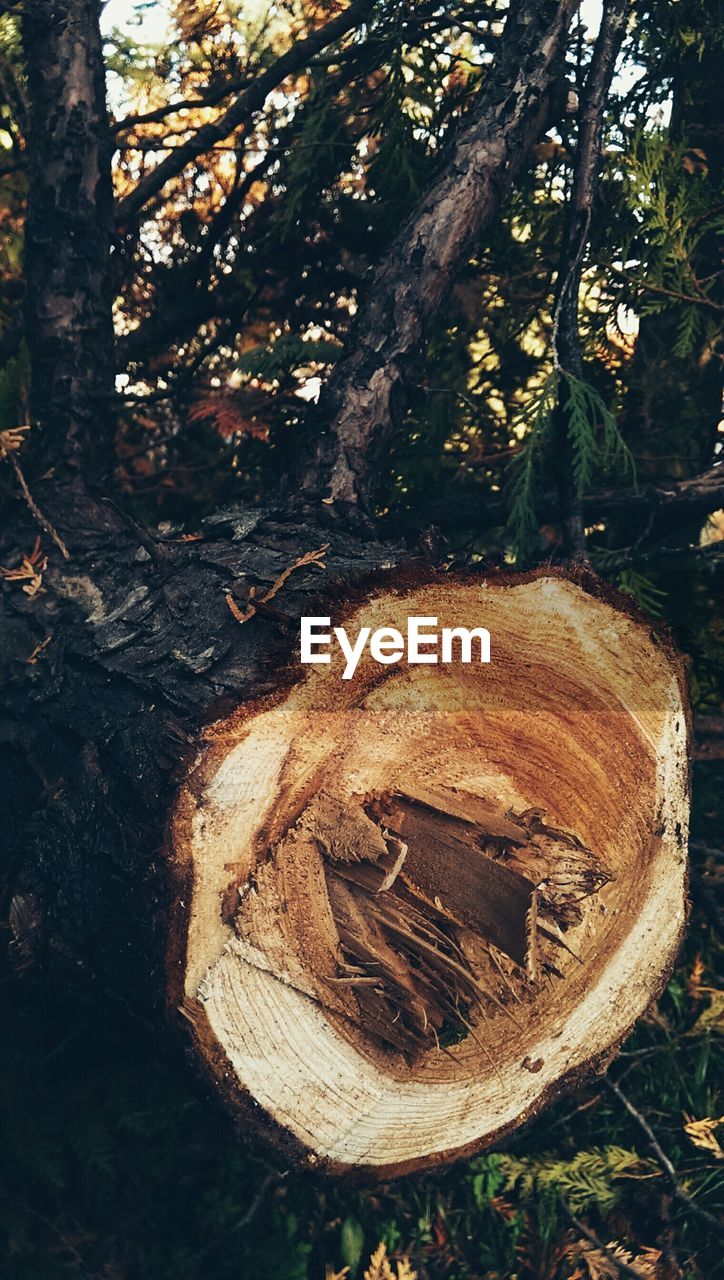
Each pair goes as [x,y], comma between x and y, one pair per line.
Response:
[424,900]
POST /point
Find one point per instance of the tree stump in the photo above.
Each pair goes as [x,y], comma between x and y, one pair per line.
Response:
[412,907]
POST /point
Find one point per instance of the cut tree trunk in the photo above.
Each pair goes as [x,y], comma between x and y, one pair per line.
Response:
[411,907]
[395,915]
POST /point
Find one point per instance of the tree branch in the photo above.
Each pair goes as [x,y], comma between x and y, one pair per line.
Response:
[567,353]
[246,105]
[690,499]
[673,505]
[675,557]
[368,390]
[210,97]
[189,294]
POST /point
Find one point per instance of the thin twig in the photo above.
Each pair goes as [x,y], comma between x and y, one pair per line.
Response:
[699,301]
[64,1241]
[42,520]
[150,544]
[254,605]
[663,1160]
[246,1218]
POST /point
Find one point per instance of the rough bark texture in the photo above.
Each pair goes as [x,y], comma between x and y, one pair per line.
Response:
[368,391]
[139,650]
[68,230]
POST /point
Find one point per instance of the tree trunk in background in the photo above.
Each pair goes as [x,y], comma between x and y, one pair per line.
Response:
[68,232]
[368,391]
[683,390]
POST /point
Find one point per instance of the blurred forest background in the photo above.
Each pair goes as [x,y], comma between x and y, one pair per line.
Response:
[237,282]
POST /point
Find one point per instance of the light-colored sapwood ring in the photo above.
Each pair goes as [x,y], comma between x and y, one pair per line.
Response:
[582,713]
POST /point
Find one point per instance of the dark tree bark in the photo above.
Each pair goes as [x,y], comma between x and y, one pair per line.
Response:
[685,389]
[140,650]
[68,232]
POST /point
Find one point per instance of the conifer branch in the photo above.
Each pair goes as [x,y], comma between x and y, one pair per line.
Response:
[249,101]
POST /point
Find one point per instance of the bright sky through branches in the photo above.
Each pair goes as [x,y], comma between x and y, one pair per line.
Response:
[149,23]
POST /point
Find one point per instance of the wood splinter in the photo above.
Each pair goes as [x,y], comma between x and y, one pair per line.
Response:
[435,929]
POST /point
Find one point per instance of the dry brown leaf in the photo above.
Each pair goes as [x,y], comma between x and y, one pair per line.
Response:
[601,1265]
[29,571]
[234,413]
[694,981]
[701,1133]
[380,1268]
[11,439]
[695,161]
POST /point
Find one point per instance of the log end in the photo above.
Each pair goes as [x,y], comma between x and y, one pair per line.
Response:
[413,906]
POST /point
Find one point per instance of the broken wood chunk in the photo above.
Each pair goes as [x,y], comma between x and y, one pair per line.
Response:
[430,919]
[564,868]
[433,891]
[470,810]
[445,860]
[343,831]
